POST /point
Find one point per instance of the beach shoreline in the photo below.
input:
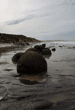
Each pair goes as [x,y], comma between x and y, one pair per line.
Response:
[7,47]
[58,86]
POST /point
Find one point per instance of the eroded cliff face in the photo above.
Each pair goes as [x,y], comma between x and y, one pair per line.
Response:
[11,38]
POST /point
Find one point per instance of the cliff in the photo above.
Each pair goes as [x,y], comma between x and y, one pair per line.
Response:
[10,38]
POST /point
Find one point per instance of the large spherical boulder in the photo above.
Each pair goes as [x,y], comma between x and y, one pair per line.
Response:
[39,47]
[32,49]
[16,57]
[46,51]
[31,63]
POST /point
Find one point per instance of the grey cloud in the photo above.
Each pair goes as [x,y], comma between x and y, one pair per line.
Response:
[68,3]
[21,20]
[73,3]
[45,14]
[29,17]
[44,32]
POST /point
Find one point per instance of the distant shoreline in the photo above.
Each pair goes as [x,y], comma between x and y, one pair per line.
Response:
[57,40]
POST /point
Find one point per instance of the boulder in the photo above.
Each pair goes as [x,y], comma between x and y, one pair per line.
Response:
[31,63]
[44,45]
[46,51]
[32,49]
[53,49]
[16,57]
[60,46]
[40,47]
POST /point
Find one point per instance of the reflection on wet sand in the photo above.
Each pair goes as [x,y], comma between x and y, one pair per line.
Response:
[30,79]
[58,97]
[1,63]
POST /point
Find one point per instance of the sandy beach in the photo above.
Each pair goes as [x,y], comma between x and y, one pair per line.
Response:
[29,92]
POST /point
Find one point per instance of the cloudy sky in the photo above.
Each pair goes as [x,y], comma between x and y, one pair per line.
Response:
[41,19]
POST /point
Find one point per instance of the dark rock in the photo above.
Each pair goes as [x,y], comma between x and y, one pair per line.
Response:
[53,49]
[16,57]
[32,49]
[7,69]
[3,63]
[60,46]
[46,51]
[40,47]
[31,63]
[44,45]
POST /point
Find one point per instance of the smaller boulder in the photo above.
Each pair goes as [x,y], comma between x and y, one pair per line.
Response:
[39,47]
[32,49]
[16,57]
[60,46]
[53,49]
[46,51]
[44,45]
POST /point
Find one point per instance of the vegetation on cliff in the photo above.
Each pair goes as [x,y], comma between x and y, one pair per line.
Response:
[10,38]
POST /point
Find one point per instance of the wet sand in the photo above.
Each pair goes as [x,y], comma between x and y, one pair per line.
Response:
[9,48]
[54,90]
